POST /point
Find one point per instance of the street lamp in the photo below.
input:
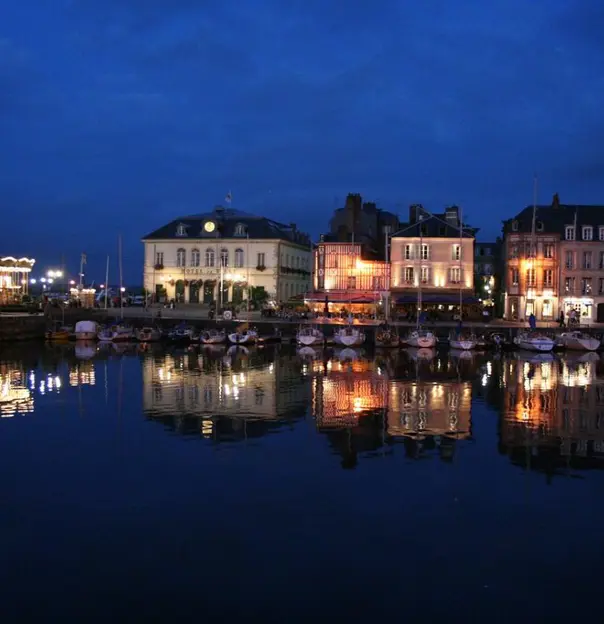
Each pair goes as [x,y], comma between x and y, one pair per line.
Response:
[122,289]
[32,281]
[72,282]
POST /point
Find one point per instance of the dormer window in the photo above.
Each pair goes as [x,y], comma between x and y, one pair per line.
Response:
[240,230]
[539,226]
[601,232]
[569,232]
[588,233]
[514,226]
[181,229]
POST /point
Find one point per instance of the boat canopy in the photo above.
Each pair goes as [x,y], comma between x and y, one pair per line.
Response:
[86,326]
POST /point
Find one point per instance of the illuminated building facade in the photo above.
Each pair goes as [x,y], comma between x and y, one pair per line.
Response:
[220,255]
[554,258]
[344,279]
[14,278]
[429,252]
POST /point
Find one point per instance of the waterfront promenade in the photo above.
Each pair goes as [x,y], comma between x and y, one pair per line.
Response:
[195,313]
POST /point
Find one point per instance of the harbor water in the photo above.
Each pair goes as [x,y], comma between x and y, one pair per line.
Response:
[215,484]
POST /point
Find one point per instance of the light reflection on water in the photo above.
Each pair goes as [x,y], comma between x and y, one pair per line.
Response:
[550,407]
[132,476]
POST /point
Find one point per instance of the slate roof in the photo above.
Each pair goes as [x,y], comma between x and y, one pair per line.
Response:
[227,220]
[435,226]
[552,219]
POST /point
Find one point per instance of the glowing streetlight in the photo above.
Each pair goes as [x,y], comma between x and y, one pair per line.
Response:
[32,281]
[102,286]
[50,280]
[42,279]
[123,289]
[72,282]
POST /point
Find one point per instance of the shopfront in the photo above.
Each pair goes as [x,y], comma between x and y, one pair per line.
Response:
[583,307]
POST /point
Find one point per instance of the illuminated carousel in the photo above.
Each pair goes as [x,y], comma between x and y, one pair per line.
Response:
[14,278]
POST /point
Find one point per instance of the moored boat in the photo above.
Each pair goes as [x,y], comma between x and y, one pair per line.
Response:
[309,336]
[577,341]
[86,330]
[243,336]
[462,342]
[420,339]
[349,336]
[534,341]
[58,334]
[116,333]
[149,334]
[386,336]
[212,336]
[182,333]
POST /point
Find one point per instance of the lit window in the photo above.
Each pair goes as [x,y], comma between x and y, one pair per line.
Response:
[210,257]
[454,275]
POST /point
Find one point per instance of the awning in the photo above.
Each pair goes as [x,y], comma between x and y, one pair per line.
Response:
[343,297]
[445,298]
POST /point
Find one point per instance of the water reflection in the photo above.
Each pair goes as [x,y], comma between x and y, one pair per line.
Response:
[364,405]
[553,413]
[224,394]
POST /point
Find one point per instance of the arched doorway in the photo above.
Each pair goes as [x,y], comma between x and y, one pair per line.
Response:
[208,291]
[194,288]
[237,293]
[179,291]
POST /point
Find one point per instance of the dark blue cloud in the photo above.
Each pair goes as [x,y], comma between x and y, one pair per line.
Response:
[118,115]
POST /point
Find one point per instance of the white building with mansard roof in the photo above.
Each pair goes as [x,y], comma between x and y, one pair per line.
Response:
[216,256]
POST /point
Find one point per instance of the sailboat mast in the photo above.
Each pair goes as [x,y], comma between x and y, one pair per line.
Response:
[419,277]
[119,247]
[460,264]
[107,282]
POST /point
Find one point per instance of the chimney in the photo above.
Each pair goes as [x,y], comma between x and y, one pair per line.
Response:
[414,211]
[452,216]
[556,201]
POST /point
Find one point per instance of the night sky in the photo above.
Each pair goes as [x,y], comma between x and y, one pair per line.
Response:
[120,115]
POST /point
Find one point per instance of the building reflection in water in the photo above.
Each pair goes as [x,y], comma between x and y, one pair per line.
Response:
[16,397]
[362,407]
[223,395]
[553,412]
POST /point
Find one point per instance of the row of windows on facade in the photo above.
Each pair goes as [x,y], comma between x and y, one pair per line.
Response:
[210,259]
[530,251]
[422,252]
[587,260]
[454,275]
[548,281]
[587,231]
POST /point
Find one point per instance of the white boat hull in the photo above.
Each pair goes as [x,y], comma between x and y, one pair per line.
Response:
[462,344]
[579,344]
[539,344]
[421,342]
[309,339]
[243,338]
